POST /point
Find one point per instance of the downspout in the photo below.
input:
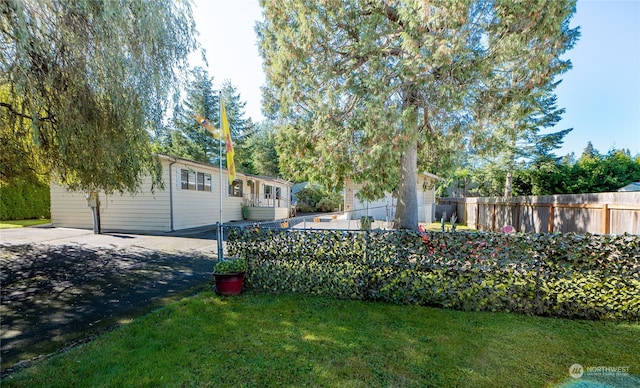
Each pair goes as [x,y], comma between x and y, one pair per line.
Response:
[171,192]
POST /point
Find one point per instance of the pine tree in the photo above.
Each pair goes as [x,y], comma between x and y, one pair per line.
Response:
[373,90]
[184,137]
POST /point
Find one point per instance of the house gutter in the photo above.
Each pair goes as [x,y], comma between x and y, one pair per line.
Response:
[171,192]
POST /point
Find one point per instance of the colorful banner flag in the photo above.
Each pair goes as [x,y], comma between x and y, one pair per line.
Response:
[226,133]
[208,126]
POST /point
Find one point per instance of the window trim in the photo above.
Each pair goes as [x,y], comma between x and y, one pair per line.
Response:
[191,179]
[239,185]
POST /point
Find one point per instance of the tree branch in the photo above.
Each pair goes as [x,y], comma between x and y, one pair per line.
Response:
[24,116]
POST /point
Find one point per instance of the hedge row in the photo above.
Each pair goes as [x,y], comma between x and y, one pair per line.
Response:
[24,199]
[572,276]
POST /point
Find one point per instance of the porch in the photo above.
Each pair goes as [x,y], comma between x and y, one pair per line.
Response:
[266,202]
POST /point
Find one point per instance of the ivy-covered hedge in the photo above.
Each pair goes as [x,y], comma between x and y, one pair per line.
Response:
[573,276]
[24,199]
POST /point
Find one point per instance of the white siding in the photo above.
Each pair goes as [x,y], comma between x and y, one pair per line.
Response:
[194,208]
[267,213]
[69,209]
[426,198]
[144,211]
[384,208]
[151,212]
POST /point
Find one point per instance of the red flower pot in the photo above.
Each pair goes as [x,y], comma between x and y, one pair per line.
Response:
[229,283]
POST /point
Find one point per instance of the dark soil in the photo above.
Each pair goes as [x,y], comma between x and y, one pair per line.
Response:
[55,296]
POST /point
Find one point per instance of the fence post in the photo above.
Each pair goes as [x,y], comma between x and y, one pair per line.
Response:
[493,218]
[478,215]
[550,223]
[606,214]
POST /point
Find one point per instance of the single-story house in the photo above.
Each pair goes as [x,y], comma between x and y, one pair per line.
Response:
[385,208]
[190,199]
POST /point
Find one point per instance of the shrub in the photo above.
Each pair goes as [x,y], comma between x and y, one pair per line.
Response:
[314,198]
[572,276]
[23,199]
[230,266]
[329,203]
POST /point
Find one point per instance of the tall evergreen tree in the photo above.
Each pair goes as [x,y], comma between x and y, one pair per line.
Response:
[509,135]
[369,90]
[185,138]
[241,126]
[266,160]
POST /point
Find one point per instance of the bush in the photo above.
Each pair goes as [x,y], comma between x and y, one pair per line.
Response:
[329,203]
[316,199]
[230,266]
[571,276]
[23,199]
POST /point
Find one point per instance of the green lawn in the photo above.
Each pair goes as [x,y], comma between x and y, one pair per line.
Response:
[437,226]
[293,340]
[22,223]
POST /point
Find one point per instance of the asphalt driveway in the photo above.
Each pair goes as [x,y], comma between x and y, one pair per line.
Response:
[61,286]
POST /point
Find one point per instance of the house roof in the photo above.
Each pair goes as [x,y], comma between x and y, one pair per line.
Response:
[209,165]
[432,176]
[634,186]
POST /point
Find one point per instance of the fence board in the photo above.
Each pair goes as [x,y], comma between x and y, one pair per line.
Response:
[601,213]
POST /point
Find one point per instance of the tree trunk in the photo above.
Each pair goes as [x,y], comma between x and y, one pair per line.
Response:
[407,208]
[508,183]
[93,200]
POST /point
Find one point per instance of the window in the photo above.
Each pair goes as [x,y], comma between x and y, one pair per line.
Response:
[207,182]
[184,179]
[201,180]
[268,192]
[190,180]
[235,188]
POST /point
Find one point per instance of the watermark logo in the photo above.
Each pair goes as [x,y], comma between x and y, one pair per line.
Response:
[576,371]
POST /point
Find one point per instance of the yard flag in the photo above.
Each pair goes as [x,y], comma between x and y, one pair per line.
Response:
[207,125]
[226,132]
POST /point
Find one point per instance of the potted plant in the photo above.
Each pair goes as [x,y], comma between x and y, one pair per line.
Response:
[365,222]
[229,276]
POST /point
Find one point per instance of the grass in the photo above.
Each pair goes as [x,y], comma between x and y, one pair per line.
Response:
[22,223]
[437,226]
[258,340]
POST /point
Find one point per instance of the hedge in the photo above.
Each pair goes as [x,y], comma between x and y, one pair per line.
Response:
[571,276]
[24,199]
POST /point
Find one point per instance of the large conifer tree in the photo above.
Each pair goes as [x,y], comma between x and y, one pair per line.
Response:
[375,91]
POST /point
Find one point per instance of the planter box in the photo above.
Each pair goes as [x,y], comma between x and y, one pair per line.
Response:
[229,283]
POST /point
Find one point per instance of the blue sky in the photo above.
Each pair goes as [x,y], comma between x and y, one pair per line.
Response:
[601,94]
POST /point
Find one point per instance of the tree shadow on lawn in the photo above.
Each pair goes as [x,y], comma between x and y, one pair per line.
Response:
[54,295]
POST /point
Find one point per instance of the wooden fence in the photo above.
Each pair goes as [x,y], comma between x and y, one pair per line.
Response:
[602,213]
